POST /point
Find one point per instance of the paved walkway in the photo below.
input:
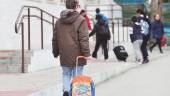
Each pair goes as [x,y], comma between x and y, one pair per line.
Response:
[151,79]
[49,82]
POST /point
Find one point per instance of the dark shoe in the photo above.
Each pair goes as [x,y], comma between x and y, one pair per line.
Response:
[106,57]
[138,60]
[150,49]
[94,55]
[161,52]
[145,61]
[65,93]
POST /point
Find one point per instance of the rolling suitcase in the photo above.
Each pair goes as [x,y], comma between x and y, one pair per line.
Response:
[120,53]
[82,85]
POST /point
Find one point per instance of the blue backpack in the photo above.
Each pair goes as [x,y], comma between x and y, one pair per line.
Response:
[144,26]
[104,18]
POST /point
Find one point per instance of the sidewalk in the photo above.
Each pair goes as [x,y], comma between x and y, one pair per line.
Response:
[49,82]
[147,80]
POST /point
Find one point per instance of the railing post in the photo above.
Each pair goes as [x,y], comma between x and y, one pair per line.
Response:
[23,57]
[29,33]
[112,11]
[53,22]
[42,33]
[127,31]
[118,30]
[123,30]
[113,31]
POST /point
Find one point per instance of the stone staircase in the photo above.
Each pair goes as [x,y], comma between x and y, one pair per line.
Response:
[11,61]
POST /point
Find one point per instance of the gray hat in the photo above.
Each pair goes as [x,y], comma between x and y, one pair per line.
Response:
[71,4]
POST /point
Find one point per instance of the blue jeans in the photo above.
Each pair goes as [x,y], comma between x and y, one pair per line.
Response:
[68,74]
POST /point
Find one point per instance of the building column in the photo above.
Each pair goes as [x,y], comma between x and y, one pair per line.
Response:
[155,7]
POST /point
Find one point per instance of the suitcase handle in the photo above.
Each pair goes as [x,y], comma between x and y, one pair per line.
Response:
[79,57]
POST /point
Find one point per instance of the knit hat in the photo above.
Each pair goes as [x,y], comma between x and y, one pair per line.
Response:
[71,4]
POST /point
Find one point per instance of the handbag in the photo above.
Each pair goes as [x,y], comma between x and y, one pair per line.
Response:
[163,41]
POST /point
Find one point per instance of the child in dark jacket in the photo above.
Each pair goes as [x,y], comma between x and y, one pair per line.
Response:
[102,31]
[137,39]
[144,23]
[157,32]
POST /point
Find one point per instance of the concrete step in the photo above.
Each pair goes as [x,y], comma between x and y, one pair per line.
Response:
[18,60]
[7,68]
[3,68]
[14,60]
[15,53]
[13,64]
[8,65]
[5,60]
[11,61]
[16,68]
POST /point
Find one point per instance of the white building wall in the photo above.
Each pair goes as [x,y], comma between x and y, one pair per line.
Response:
[9,11]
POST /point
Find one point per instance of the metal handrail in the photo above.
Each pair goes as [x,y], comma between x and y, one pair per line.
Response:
[18,20]
[21,17]
[20,24]
[35,16]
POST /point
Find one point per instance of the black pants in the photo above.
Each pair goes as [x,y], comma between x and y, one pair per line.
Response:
[158,42]
[102,43]
[144,47]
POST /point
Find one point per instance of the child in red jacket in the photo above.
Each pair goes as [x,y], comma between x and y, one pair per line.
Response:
[84,14]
